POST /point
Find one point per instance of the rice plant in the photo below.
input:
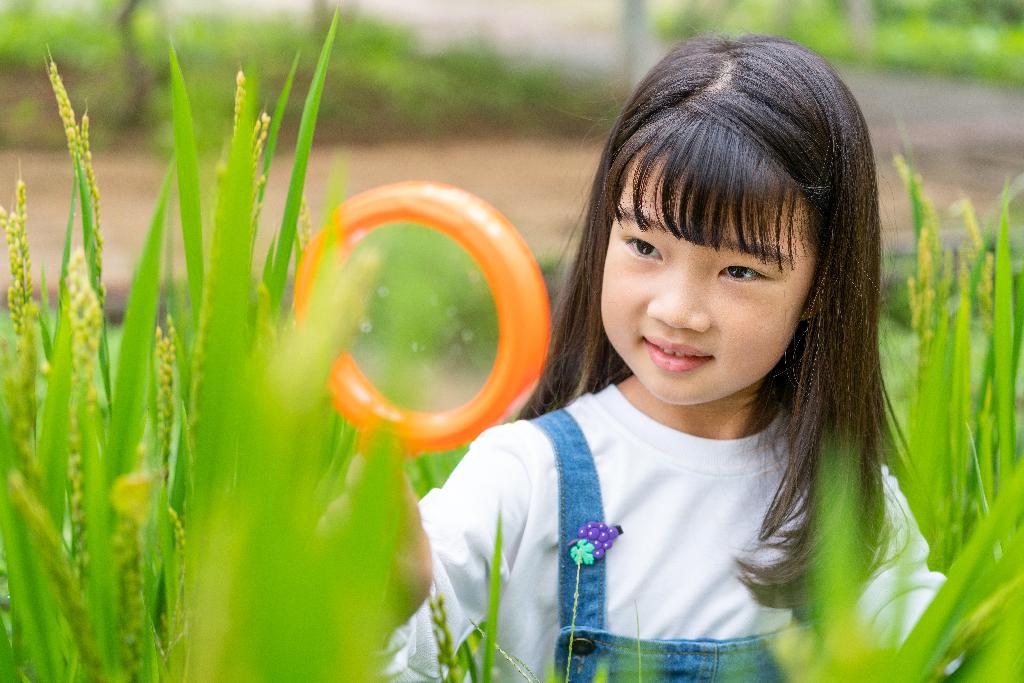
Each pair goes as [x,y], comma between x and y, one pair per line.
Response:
[166,511]
[957,460]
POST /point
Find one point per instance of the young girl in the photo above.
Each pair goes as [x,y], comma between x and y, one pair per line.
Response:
[718,327]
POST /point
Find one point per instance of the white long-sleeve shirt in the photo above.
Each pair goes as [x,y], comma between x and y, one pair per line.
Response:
[687,505]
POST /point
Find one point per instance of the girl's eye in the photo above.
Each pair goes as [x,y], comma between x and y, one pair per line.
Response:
[742,273]
[640,247]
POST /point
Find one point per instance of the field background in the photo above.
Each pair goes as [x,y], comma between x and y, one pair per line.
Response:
[509,100]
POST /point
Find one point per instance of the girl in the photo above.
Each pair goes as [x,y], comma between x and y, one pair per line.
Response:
[718,327]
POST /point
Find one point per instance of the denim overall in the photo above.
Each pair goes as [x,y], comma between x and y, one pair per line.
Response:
[703,659]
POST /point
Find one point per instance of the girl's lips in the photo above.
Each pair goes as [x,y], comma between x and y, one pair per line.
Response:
[671,363]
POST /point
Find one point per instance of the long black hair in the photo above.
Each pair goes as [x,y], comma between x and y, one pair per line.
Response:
[739,134]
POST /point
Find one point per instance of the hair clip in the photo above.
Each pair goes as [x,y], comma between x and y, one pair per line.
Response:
[592,541]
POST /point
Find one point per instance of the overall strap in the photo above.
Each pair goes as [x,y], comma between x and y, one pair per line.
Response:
[579,493]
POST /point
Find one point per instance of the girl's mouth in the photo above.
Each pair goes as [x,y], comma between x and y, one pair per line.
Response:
[673,362]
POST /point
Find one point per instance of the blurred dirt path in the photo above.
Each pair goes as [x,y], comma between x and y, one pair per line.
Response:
[541,185]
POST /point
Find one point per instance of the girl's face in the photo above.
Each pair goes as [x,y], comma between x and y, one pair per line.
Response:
[726,318]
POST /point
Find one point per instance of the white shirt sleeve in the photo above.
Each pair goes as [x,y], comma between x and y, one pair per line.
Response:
[460,521]
[901,589]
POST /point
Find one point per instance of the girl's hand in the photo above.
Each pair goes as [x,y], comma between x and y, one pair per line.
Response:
[411,572]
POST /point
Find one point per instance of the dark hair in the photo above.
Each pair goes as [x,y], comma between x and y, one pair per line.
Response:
[742,133]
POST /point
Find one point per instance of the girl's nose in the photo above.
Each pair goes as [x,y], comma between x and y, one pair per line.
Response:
[681,307]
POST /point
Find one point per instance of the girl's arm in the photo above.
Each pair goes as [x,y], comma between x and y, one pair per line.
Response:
[459,525]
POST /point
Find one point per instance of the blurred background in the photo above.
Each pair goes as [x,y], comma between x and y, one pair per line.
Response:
[509,99]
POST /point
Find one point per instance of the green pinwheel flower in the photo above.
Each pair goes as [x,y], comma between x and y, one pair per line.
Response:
[582,552]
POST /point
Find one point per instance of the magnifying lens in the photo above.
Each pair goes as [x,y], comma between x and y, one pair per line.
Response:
[508,267]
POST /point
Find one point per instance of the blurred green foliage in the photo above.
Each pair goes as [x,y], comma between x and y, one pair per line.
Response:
[974,39]
[381,87]
[430,323]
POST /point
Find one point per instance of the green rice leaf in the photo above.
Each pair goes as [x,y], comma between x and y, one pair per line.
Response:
[1003,338]
[221,347]
[491,638]
[69,230]
[179,463]
[8,672]
[286,235]
[930,445]
[53,432]
[963,588]
[959,463]
[268,261]
[32,603]
[127,412]
[188,184]
[45,329]
[275,123]
[101,585]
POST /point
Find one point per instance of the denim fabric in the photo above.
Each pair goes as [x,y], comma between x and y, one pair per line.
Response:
[703,659]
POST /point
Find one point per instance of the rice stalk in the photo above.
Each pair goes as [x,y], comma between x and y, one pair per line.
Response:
[20,396]
[67,586]
[922,286]
[85,319]
[130,498]
[446,659]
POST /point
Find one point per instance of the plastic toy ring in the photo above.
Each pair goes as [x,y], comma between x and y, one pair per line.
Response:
[510,270]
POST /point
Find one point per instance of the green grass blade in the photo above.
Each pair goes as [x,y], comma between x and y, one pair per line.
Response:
[8,672]
[491,637]
[930,445]
[931,637]
[68,231]
[220,350]
[188,184]
[180,464]
[268,261]
[286,235]
[127,412]
[101,589]
[45,329]
[53,432]
[275,123]
[959,463]
[1003,345]
[465,655]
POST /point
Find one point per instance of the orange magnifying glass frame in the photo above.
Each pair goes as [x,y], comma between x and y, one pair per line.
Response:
[510,271]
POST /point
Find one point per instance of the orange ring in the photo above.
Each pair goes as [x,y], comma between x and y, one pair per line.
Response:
[510,270]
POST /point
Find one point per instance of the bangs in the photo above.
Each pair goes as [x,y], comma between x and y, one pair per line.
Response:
[702,181]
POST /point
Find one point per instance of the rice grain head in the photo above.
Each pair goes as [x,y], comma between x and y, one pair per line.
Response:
[85,320]
[67,114]
[19,293]
[166,355]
